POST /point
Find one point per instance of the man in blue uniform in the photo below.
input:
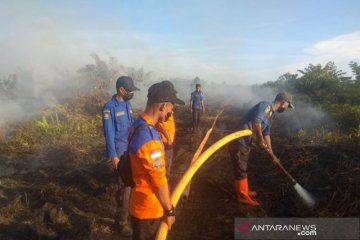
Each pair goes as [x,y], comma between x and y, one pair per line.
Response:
[117,119]
[196,106]
[258,119]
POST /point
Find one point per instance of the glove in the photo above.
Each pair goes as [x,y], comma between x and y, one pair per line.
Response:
[263,146]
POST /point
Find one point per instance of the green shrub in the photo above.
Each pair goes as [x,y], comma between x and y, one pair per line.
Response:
[347,117]
[75,130]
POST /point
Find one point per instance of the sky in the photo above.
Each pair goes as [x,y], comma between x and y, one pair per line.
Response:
[240,42]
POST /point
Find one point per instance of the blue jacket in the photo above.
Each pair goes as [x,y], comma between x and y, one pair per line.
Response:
[117,119]
[263,113]
[196,98]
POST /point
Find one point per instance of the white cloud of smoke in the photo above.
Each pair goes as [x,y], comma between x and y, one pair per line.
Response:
[45,55]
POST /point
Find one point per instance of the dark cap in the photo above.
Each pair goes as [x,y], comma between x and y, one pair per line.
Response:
[127,83]
[169,83]
[284,96]
[163,92]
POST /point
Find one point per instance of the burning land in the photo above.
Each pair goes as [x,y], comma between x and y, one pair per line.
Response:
[179,120]
[56,182]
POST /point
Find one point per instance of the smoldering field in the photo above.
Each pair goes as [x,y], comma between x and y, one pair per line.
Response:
[25,92]
[56,183]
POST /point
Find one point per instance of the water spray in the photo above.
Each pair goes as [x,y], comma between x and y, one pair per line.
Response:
[307,198]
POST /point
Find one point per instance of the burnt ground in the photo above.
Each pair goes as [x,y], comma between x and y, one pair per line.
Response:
[330,173]
[60,192]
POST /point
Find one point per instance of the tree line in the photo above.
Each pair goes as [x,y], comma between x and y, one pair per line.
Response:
[327,88]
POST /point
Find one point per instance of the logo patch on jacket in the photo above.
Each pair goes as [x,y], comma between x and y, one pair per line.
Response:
[156,159]
[157,163]
[268,112]
[106,114]
[267,109]
[118,114]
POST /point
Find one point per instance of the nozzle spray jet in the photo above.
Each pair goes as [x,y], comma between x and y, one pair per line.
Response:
[307,198]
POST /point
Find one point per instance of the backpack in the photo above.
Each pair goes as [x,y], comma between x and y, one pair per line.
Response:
[124,170]
[124,166]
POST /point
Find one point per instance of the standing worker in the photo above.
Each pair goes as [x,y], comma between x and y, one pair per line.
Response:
[117,120]
[258,119]
[150,198]
[167,133]
[197,105]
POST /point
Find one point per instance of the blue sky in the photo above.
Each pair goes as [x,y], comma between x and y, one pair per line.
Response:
[235,41]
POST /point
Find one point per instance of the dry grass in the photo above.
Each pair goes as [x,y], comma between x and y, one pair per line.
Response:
[57,184]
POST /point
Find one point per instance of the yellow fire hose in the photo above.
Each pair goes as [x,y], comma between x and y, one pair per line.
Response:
[186,191]
[175,196]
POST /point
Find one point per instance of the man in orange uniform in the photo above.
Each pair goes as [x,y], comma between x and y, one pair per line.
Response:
[167,132]
[150,198]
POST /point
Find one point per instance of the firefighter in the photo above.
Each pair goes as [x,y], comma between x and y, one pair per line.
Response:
[150,198]
[117,120]
[258,119]
[197,105]
[167,132]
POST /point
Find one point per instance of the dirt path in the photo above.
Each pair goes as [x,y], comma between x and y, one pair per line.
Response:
[211,208]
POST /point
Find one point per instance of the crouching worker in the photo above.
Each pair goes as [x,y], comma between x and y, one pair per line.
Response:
[258,119]
[150,198]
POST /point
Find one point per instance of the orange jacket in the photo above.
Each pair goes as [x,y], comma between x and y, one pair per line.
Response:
[147,156]
[169,127]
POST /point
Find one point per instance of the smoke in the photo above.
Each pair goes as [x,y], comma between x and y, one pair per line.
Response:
[35,90]
[237,99]
[44,68]
[30,92]
[45,51]
[47,74]
[304,116]
[222,93]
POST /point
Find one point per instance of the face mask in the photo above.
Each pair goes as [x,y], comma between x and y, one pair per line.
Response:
[167,116]
[128,96]
[280,110]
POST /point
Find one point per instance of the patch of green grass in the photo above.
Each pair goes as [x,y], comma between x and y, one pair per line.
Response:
[74,130]
[323,135]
